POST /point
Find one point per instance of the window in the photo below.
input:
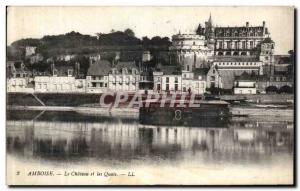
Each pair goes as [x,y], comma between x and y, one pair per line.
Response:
[70,72]
[214,71]
[134,71]
[236,45]
[244,45]
[188,68]
[54,72]
[228,45]
[176,87]
[167,87]
[124,71]
[220,45]
[167,79]
[158,87]
[251,44]
[176,80]
[201,84]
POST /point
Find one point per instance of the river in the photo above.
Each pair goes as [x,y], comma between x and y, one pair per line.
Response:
[243,150]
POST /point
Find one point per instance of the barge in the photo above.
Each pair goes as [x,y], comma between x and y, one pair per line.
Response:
[179,112]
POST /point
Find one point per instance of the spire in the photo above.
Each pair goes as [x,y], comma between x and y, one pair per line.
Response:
[210,20]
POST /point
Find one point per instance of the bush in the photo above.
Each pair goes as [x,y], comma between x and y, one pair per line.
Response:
[271,89]
[286,89]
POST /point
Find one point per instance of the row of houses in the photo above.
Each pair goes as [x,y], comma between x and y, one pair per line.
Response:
[240,76]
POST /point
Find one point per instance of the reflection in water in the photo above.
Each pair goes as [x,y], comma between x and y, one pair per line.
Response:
[69,136]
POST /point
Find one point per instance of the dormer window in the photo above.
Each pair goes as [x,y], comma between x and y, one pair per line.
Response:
[134,71]
[124,71]
[55,72]
[70,72]
[114,71]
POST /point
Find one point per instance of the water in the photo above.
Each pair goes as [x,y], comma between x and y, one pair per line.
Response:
[241,151]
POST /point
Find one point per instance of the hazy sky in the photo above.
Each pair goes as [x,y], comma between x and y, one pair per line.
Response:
[35,22]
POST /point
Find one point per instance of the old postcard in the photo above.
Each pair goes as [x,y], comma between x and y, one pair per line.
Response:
[150,96]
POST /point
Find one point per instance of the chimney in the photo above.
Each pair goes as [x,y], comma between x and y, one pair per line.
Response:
[77,69]
[247,24]
[264,23]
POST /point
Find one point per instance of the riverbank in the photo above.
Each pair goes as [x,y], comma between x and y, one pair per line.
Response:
[134,112]
[261,98]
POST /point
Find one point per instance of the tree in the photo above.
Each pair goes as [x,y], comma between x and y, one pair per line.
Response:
[286,89]
[98,35]
[271,89]
[129,32]
[200,30]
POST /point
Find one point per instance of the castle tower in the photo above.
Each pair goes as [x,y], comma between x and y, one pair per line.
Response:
[267,55]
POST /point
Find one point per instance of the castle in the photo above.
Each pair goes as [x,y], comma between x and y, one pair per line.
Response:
[224,44]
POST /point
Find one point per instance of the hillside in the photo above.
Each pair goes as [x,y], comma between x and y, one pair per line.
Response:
[125,42]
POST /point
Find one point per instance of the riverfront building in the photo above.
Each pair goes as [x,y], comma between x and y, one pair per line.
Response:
[167,79]
[194,81]
[245,84]
[62,79]
[19,77]
[124,76]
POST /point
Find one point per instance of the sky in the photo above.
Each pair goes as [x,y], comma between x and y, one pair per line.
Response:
[35,22]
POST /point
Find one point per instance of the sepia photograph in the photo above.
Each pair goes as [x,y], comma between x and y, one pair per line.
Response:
[150,95]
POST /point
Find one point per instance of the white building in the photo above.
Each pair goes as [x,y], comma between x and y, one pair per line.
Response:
[97,76]
[18,85]
[245,84]
[102,77]
[167,79]
[18,77]
[195,81]
[61,81]
[124,76]
[30,50]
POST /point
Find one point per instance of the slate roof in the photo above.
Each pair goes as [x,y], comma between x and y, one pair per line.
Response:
[267,40]
[63,70]
[246,77]
[99,68]
[228,77]
[129,65]
[169,70]
[200,72]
